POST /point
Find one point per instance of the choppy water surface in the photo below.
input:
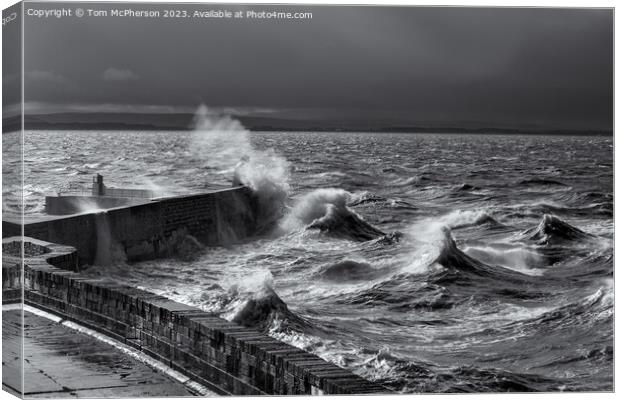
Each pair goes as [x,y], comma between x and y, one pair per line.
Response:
[428,263]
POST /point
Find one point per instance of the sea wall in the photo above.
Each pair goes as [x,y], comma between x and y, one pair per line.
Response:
[150,230]
[222,355]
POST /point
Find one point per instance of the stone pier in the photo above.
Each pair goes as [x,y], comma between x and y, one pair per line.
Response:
[150,229]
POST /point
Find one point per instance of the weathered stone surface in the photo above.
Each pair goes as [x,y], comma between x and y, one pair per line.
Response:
[62,362]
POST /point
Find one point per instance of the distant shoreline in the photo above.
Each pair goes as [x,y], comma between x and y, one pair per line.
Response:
[413,131]
[182,122]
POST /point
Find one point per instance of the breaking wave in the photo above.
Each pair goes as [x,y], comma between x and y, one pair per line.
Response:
[326,210]
[553,231]
[263,308]
[253,302]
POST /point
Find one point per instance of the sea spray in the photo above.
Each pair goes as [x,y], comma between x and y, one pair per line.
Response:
[226,146]
[108,250]
[84,205]
[219,139]
[157,188]
[427,240]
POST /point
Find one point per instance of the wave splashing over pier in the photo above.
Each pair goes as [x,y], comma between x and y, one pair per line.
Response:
[225,146]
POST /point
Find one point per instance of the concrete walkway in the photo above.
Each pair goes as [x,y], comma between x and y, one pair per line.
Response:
[66,360]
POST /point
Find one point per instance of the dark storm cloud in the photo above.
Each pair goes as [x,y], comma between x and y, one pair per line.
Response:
[513,67]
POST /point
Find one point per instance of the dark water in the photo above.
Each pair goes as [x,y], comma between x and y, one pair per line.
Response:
[429,263]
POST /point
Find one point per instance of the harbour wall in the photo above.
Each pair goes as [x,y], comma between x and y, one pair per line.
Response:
[159,228]
[222,355]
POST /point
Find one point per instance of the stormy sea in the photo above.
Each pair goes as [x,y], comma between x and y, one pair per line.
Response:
[424,262]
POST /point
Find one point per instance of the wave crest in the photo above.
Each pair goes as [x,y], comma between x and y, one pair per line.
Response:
[553,231]
[262,307]
[326,210]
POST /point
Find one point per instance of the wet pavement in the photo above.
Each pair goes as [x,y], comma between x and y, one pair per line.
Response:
[65,362]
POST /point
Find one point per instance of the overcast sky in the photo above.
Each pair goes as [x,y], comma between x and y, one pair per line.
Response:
[548,68]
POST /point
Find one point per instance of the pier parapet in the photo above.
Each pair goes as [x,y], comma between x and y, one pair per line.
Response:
[98,197]
[99,189]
